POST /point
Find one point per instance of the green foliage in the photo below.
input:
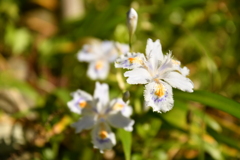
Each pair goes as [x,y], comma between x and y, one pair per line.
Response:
[39,70]
[126,138]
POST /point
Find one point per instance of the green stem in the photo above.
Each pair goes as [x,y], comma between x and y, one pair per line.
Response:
[130,42]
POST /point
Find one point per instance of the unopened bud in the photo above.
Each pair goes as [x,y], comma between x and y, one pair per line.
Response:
[126,96]
[132,18]
[189,116]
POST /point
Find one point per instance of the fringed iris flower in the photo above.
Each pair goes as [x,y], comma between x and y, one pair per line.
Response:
[99,56]
[98,114]
[159,72]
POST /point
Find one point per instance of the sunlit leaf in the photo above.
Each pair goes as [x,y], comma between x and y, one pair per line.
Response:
[126,139]
[212,100]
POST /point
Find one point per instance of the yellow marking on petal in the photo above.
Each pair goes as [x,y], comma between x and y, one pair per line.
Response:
[99,65]
[118,106]
[175,62]
[159,90]
[134,60]
[82,104]
[103,134]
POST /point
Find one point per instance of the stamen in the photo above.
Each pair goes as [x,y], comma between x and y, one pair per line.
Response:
[134,60]
[175,62]
[103,134]
[160,90]
[82,104]
[118,106]
[99,65]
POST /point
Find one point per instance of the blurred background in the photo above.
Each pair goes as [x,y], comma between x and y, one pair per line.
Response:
[39,40]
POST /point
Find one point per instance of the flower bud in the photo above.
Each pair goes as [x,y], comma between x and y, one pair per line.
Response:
[126,96]
[132,18]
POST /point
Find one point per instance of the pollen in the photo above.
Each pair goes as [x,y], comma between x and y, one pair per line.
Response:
[159,90]
[134,60]
[82,104]
[103,134]
[99,65]
[175,62]
[118,106]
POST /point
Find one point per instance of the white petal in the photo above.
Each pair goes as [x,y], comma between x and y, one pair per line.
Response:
[127,111]
[179,81]
[138,76]
[154,52]
[158,96]
[98,70]
[177,64]
[88,53]
[102,137]
[119,121]
[86,122]
[110,52]
[79,101]
[166,64]
[130,60]
[101,93]
[122,48]
[184,71]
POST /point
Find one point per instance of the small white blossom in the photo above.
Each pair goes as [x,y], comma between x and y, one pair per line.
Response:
[159,72]
[99,114]
[99,56]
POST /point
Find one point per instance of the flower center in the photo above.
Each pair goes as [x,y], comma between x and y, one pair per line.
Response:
[99,65]
[134,60]
[82,104]
[159,90]
[103,134]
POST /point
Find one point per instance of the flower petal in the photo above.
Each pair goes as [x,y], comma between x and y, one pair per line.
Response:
[159,96]
[79,101]
[166,64]
[179,81]
[88,53]
[119,121]
[102,137]
[109,51]
[184,71]
[138,76]
[154,52]
[86,122]
[98,69]
[101,93]
[177,64]
[122,48]
[118,104]
[130,60]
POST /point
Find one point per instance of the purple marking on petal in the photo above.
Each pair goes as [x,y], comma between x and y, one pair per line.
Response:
[95,109]
[159,99]
[103,140]
[79,100]
[108,110]
[126,64]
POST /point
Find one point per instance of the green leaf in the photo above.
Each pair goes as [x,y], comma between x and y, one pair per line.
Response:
[213,100]
[224,139]
[126,138]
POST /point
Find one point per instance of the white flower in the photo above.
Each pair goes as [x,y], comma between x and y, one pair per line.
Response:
[99,56]
[160,73]
[99,114]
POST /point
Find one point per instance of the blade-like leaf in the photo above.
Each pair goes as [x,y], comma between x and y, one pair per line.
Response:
[126,138]
[213,100]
